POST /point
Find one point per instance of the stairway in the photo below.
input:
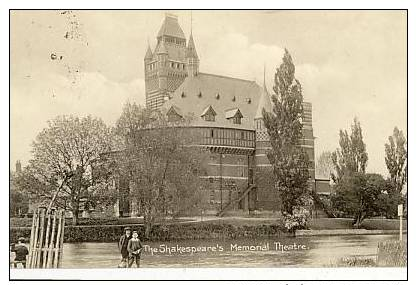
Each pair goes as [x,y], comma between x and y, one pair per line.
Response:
[235,201]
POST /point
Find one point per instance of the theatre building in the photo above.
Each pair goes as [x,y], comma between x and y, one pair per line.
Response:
[226,117]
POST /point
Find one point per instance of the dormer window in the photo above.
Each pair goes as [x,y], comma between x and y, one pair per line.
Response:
[183,94]
[218,96]
[237,120]
[209,114]
[174,114]
[200,94]
[234,115]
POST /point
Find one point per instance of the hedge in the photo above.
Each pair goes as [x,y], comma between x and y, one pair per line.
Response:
[172,232]
[27,222]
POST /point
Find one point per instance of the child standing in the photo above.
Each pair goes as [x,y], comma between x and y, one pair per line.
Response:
[135,249]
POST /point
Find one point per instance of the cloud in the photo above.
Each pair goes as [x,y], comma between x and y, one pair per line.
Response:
[38,101]
[235,56]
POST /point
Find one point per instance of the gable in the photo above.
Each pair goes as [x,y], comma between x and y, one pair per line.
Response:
[233,113]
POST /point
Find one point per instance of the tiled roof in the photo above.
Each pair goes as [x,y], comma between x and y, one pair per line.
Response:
[148,54]
[222,93]
[161,48]
[192,52]
[264,103]
[170,27]
[175,52]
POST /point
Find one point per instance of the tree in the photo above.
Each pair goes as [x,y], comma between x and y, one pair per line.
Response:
[359,195]
[396,159]
[19,200]
[324,165]
[64,158]
[160,163]
[284,125]
[352,156]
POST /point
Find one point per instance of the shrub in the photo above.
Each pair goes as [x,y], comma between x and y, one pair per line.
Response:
[297,221]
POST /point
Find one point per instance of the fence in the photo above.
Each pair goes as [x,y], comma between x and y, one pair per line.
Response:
[46,239]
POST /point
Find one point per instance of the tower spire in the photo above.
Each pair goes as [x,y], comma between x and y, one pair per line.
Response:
[264,76]
[191,22]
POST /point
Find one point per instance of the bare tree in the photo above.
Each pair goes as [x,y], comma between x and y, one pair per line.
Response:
[162,165]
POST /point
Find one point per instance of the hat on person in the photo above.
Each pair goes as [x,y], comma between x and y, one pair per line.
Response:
[22,239]
[128,229]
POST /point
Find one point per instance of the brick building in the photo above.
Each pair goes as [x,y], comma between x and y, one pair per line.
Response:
[226,117]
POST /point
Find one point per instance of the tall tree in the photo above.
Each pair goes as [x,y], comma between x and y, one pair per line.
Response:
[351,157]
[396,159]
[324,165]
[284,125]
[64,157]
[159,162]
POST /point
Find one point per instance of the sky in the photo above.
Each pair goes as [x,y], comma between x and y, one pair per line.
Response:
[350,63]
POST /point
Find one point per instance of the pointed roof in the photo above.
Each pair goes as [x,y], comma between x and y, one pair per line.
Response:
[148,54]
[174,110]
[171,27]
[235,112]
[264,103]
[161,49]
[208,110]
[192,52]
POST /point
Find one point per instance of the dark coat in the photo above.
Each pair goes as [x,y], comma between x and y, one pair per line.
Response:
[21,251]
[123,242]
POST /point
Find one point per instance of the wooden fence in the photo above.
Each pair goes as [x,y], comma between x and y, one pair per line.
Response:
[46,239]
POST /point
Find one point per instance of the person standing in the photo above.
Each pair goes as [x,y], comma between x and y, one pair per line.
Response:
[135,249]
[21,252]
[123,243]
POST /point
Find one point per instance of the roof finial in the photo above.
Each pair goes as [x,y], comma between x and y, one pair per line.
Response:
[264,75]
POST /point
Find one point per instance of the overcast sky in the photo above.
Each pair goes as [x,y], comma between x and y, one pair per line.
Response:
[349,63]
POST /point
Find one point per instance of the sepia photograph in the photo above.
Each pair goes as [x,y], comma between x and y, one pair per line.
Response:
[257,139]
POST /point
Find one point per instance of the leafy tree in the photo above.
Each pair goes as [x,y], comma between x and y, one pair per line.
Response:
[159,162]
[359,195]
[324,165]
[19,200]
[64,157]
[351,157]
[284,126]
[396,159]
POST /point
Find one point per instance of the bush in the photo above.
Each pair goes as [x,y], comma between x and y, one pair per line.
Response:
[297,221]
